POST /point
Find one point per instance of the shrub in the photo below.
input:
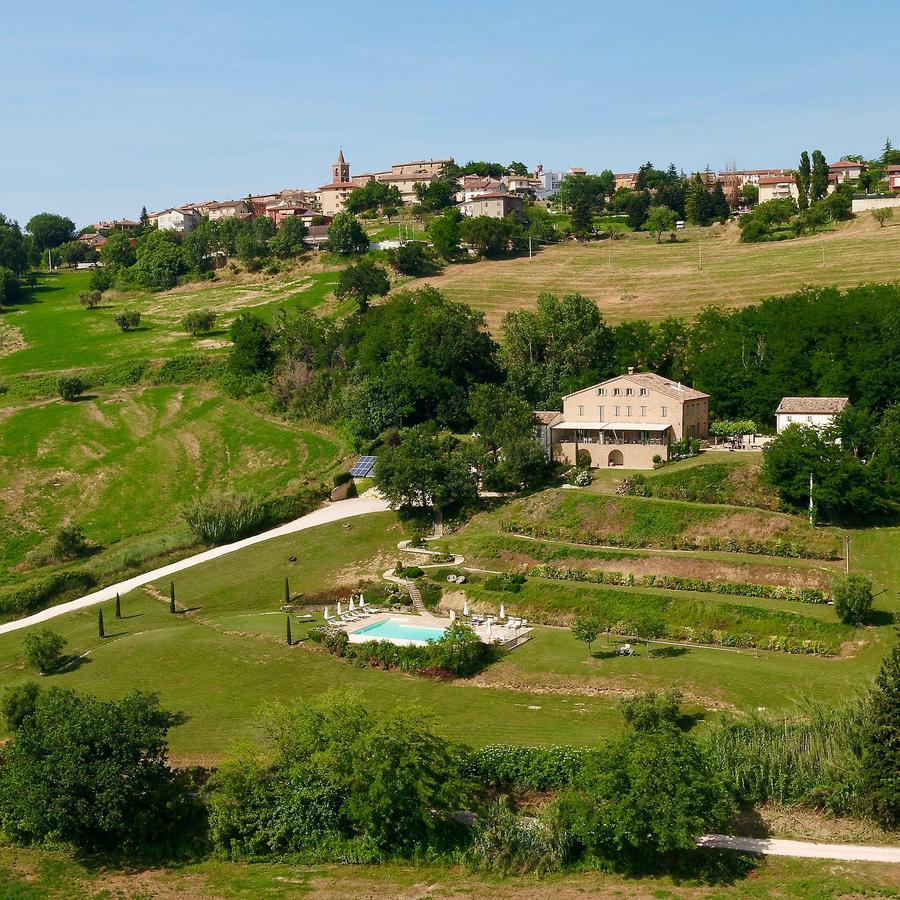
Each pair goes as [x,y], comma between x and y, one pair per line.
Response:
[18,702]
[220,518]
[411,572]
[70,543]
[43,649]
[651,710]
[70,387]
[90,299]
[583,459]
[199,321]
[506,844]
[526,768]
[852,598]
[616,809]
[505,582]
[38,592]
[128,319]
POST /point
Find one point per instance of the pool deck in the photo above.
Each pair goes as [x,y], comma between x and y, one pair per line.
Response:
[500,634]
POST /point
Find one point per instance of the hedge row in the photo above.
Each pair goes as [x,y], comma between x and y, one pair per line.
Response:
[39,592]
[777,547]
[674,583]
[534,768]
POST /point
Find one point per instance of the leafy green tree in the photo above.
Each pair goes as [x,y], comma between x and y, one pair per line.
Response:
[19,702]
[561,345]
[199,321]
[410,783]
[660,219]
[93,774]
[72,252]
[159,260]
[852,598]
[506,428]
[803,179]
[251,351]
[649,793]
[90,299]
[518,168]
[637,207]
[361,281]
[437,195]
[444,232]
[425,468]
[652,710]
[881,743]
[118,251]
[10,290]
[374,195]
[587,629]
[44,649]
[69,387]
[413,259]
[200,246]
[128,319]
[487,236]
[750,194]
[14,254]
[49,230]
[818,180]
[584,196]
[288,240]
[881,216]
[346,235]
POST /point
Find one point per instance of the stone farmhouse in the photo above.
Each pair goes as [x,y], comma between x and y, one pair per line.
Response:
[624,421]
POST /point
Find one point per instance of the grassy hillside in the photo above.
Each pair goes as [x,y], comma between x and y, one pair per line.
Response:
[638,278]
[121,464]
[589,518]
[58,333]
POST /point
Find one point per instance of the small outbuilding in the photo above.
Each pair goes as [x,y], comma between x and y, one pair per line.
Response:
[814,412]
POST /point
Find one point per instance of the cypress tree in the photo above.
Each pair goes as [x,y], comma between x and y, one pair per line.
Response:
[881,743]
[287,590]
[100,629]
[172,597]
[289,639]
[118,607]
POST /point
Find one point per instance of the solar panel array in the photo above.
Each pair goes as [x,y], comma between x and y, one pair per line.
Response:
[363,467]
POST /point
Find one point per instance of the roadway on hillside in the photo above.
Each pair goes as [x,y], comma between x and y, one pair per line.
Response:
[335,512]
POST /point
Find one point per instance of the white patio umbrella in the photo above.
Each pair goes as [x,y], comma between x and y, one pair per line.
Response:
[452,616]
[339,607]
[502,611]
[362,600]
[325,614]
[466,608]
[351,607]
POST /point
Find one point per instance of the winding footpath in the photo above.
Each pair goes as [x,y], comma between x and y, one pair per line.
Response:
[335,512]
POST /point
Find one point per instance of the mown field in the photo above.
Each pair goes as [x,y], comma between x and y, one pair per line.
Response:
[637,278]
[123,463]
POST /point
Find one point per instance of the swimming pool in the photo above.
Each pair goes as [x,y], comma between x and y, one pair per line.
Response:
[397,630]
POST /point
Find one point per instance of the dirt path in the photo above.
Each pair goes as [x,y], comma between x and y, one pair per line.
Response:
[808,849]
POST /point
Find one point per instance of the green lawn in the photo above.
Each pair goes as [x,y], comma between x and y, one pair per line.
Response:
[122,464]
[60,334]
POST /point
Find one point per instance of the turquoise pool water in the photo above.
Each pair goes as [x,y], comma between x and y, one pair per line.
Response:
[390,628]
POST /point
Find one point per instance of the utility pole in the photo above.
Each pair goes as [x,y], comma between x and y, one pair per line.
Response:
[811,508]
[529,246]
[847,554]
[609,252]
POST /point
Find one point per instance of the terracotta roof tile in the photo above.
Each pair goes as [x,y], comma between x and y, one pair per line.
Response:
[812,405]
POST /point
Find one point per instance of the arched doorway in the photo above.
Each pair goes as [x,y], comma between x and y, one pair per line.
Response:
[615,458]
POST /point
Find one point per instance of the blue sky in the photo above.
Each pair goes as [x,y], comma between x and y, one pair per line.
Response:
[108,107]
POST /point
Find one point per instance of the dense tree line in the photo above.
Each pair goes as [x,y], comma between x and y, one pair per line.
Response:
[332,781]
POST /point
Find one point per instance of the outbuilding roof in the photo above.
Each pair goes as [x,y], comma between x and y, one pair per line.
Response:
[812,405]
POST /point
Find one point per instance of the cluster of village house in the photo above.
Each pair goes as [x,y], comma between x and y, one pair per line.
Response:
[630,419]
[478,195]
